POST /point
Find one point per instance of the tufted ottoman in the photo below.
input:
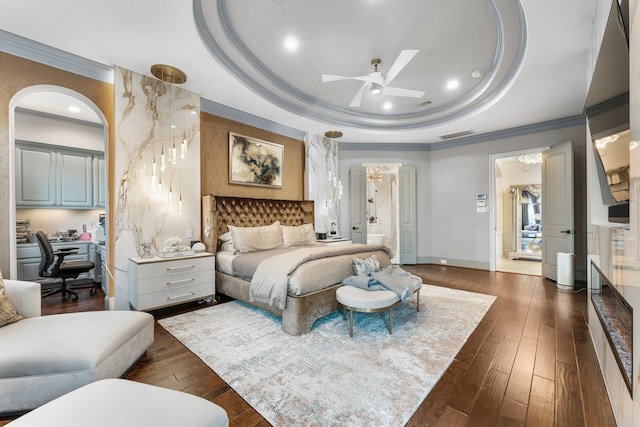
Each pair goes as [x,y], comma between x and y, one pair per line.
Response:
[117,402]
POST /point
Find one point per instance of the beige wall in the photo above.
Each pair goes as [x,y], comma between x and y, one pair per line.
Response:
[214,161]
[18,74]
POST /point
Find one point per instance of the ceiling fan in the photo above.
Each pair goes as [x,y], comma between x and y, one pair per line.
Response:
[377,83]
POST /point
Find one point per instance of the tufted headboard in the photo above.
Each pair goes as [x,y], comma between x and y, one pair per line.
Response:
[220,211]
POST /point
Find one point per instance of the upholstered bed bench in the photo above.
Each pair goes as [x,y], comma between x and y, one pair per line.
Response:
[44,357]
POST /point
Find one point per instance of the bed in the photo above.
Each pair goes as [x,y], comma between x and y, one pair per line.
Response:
[311,287]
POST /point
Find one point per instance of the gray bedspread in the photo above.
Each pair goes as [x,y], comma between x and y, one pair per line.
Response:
[270,280]
[245,265]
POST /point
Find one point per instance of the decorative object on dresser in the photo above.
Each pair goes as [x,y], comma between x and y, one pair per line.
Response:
[173,248]
[325,377]
[255,162]
[159,282]
[61,269]
[300,284]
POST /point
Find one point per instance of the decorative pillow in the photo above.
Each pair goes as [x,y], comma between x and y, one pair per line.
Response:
[226,237]
[298,235]
[250,239]
[228,246]
[365,266]
[8,313]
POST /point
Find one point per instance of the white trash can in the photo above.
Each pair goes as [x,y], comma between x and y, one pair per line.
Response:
[566,263]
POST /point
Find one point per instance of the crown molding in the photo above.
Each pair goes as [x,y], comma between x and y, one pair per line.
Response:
[39,52]
[621,100]
[475,139]
[236,115]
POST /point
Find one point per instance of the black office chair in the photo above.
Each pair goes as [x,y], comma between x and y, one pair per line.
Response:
[61,269]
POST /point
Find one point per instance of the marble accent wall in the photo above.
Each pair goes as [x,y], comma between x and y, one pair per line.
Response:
[323,181]
[153,117]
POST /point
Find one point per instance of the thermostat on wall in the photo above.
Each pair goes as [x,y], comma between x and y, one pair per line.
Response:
[480,196]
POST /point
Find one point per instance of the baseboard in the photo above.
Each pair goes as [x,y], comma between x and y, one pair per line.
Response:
[478,265]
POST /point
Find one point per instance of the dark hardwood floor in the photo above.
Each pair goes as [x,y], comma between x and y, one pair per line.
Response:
[530,362]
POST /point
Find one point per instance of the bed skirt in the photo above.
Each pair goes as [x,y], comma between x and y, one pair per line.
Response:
[300,312]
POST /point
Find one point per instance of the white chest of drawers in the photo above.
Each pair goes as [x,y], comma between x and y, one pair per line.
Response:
[160,282]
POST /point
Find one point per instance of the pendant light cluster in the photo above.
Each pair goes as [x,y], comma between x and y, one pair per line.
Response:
[170,144]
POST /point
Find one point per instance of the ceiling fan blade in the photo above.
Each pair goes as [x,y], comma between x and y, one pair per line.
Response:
[355,102]
[401,61]
[396,91]
[332,78]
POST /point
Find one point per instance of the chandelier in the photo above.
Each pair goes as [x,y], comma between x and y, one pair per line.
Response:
[603,142]
[530,159]
[375,176]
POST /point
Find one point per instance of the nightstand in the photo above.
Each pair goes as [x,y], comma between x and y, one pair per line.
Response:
[159,282]
[336,242]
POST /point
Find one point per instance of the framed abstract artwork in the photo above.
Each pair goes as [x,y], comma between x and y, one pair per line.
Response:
[255,162]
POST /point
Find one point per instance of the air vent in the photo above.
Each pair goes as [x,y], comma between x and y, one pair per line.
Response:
[423,103]
[457,135]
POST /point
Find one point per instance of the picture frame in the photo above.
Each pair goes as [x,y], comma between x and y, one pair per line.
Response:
[256,162]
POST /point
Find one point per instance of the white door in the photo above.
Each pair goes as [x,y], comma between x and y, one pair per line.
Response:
[557,206]
[358,204]
[408,224]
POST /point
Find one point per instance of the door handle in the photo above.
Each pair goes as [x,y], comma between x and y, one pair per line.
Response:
[354,228]
[568,231]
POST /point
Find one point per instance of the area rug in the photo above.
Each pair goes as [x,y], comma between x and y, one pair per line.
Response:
[325,377]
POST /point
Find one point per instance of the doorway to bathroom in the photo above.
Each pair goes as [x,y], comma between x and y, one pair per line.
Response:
[382,207]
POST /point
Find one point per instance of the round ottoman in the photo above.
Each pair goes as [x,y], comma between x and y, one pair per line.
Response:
[362,300]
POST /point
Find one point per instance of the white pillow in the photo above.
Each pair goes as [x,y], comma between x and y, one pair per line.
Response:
[250,239]
[298,235]
[228,246]
[226,237]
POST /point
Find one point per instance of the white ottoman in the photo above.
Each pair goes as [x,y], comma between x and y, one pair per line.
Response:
[118,402]
[357,299]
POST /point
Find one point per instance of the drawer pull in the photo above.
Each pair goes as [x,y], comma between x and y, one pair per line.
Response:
[190,294]
[175,282]
[182,267]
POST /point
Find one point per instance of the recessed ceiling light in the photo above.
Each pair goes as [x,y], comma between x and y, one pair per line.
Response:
[387,105]
[73,109]
[453,84]
[291,44]
[476,74]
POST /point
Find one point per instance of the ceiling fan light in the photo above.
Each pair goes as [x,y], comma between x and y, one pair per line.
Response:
[375,89]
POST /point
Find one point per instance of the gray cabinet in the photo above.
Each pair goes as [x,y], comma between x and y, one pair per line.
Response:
[75,175]
[35,176]
[54,176]
[28,261]
[99,181]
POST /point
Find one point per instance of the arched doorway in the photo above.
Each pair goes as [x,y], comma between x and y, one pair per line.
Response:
[51,115]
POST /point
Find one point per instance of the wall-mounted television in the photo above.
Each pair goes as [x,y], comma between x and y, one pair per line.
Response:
[607,109]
